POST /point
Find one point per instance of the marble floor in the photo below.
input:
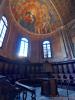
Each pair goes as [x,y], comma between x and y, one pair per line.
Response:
[63,95]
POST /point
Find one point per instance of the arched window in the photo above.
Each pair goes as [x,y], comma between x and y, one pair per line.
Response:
[3,28]
[46,49]
[23,47]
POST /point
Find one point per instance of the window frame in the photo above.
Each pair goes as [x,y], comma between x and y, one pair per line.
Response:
[47,52]
[3,29]
[25,43]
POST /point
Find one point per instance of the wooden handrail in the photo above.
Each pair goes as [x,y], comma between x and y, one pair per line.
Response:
[27,88]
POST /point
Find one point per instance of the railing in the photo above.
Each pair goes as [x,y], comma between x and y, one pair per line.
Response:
[18,69]
[65,85]
[26,88]
[64,70]
[65,67]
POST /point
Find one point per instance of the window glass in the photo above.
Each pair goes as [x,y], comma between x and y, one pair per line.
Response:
[3,28]
[23,47]
[46,49]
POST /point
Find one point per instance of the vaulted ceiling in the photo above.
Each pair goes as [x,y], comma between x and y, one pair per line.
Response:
[37,16]
[42,16]
[66,9]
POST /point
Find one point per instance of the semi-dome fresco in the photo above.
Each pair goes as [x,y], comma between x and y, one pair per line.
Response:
[37,16]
